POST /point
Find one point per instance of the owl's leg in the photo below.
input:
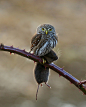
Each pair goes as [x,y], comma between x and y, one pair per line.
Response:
[48,85]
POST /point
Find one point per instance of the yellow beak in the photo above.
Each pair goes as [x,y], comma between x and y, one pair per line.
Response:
[46,32]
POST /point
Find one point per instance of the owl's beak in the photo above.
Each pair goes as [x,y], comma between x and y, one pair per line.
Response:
[46,32]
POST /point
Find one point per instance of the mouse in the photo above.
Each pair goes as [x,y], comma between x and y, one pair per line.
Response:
[41,72]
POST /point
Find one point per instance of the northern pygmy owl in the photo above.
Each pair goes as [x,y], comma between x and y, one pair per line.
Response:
[44,40]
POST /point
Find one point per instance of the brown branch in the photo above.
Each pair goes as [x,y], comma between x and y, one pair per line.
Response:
[60,71]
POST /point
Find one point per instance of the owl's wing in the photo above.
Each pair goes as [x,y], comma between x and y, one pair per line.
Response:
[35,40]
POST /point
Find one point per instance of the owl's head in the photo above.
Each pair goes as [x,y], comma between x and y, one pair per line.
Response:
[45,29]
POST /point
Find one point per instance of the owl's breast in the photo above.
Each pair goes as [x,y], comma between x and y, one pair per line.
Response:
[46,44]
[53,41]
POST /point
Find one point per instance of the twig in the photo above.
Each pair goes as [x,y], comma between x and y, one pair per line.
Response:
[60,71]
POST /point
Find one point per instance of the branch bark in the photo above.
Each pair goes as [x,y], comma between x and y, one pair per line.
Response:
[60,71]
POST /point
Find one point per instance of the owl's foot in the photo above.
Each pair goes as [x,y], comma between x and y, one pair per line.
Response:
[44,61]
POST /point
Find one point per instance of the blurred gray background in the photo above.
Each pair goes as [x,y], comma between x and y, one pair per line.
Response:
[18,22]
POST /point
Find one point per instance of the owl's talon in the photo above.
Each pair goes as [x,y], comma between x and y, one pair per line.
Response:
[44,61]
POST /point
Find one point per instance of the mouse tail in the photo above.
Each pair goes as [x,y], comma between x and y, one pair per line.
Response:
[37,91]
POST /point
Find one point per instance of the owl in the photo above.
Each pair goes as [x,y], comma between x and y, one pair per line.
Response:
[44,40]
[42,44]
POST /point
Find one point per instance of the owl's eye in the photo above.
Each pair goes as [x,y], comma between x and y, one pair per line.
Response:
[43,29]
[50,29]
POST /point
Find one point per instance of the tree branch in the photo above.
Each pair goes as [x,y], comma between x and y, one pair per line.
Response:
[60,71]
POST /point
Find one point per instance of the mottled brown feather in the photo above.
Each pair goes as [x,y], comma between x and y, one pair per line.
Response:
[35,40]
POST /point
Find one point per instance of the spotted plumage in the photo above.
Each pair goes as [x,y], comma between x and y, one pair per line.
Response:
[44,41]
